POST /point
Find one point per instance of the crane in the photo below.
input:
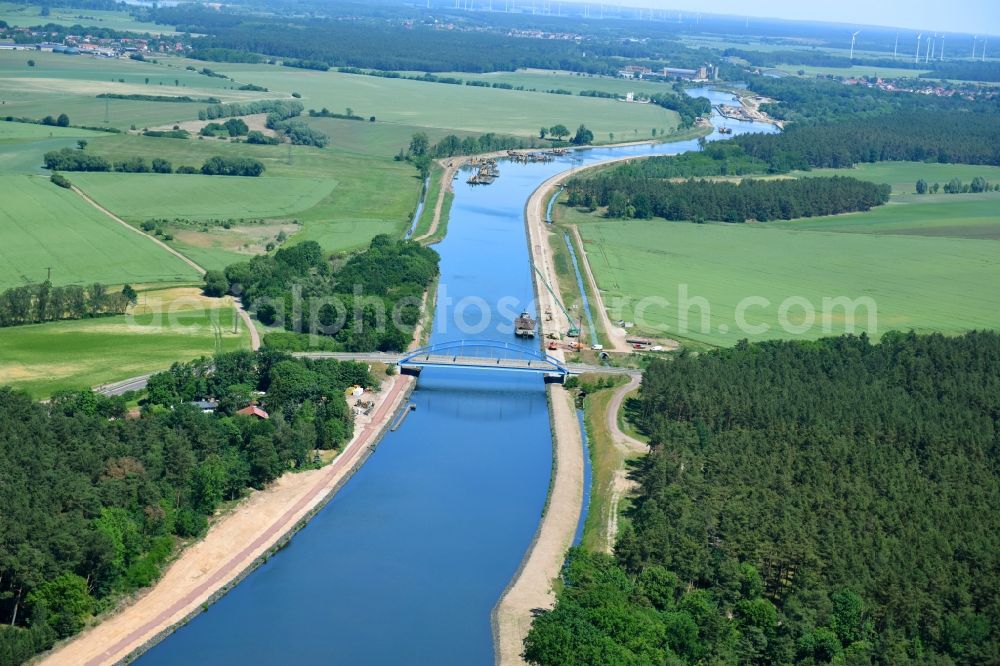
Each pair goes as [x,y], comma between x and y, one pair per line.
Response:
[574,331]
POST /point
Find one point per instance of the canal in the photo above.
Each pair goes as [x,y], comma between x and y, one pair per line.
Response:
[406,562]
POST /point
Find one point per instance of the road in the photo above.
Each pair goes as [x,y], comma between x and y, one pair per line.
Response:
[139,383]
[244,315]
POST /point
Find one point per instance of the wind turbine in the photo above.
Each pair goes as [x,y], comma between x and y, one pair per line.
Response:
[916,57]
[941,53]
[895,48]
[984,49]
[852,43]
[974,38]
[928,49]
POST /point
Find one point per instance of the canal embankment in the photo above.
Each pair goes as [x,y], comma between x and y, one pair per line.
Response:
[234,546]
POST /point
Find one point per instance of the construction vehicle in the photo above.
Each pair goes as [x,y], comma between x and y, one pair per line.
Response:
[574,331]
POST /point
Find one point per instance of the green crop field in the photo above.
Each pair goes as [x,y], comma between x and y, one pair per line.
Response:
[469,108]
[43,226]
[70,84]
[927,284]
[133,196]
[923,259]
[30,15]
[853,71]
[903,176]
[379,138]
[952,215]
[365,195]
[543,79]
[45,358]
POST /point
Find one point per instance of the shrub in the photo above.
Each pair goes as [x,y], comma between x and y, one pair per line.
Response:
[60,180]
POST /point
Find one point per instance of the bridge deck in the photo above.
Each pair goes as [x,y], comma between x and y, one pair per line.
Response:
[534,365]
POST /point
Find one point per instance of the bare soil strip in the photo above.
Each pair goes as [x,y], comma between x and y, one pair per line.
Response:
[210,566]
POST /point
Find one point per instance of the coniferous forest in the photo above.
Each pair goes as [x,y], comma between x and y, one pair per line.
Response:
[760,200]
[804,502]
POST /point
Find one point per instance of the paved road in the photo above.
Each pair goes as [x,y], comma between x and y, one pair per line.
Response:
[139,383]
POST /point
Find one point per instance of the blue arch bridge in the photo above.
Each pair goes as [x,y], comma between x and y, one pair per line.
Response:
[483,355]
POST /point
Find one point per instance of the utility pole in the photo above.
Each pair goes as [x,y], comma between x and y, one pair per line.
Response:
[49,278]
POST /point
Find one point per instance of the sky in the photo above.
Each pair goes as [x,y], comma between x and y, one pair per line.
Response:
[964,16]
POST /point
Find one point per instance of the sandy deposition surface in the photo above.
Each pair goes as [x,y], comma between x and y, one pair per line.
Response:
[532,587]
[233,545]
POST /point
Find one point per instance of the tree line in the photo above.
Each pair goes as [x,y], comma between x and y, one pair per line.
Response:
[803,503]
[366,302]
[96,502]
[37,303]
[919,136]
[824,100]
[956,186]
[69,159]
[751,199]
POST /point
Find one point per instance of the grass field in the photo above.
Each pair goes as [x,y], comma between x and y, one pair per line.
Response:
[133,195]
[853,71]
[70,84]
[30,15]
[364,195]
[42,225]
[544,79]
[903,176]
[927,284]
[922,259]
[45,358]
[468,108]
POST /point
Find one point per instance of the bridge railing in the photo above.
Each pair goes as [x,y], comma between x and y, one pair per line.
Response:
[489,351]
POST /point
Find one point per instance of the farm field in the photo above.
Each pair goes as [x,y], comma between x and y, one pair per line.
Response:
[70,84]
[138,196]
[45,358]
[925,284]
[853,71]
[25,15]
[365,195]
[953,215]
[469,108]
[42,225]
[544,79]
[903,176]
[379,139]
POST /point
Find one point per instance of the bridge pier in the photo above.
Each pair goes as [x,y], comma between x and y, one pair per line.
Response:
[554,378]
[412,370]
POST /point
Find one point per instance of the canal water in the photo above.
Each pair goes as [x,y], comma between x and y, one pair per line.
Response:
[406,562]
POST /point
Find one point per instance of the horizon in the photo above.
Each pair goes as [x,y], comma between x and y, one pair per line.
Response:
[917,16]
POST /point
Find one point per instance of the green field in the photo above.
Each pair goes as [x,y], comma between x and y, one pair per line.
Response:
[30,15]
[138,196]
[365,195]
[70,84]
[450,107]
[923,259]
[45,358]
[927,284]
[42,225]
[903,176]
[853,71]
[543,79]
